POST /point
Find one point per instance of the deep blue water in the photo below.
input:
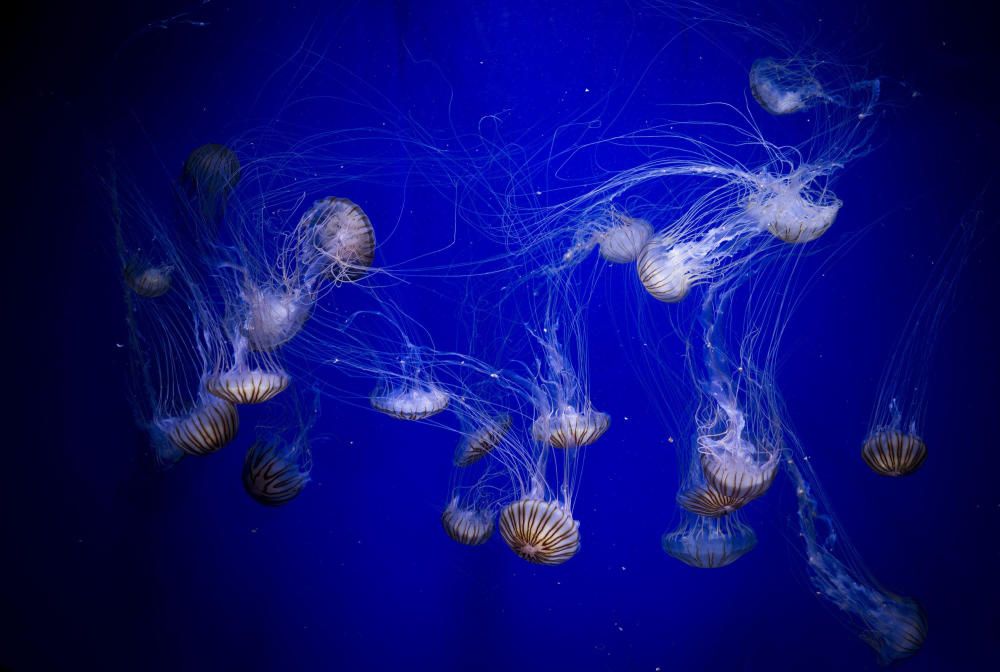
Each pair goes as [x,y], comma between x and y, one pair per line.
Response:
[112,565]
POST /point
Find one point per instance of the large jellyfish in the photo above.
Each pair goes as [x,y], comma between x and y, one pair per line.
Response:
[708,543]
[205,429]
[540,531]
[337,241]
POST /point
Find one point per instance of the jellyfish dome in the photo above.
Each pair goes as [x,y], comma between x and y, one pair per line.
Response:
[149,282]
[891,452]
[902,628]
[247,386]
[212,169]
[274,316]
[738,476]
[622,242]
[709,543]
[411,402]
[340,240]
[210,426]
[481,441]
[709,502]
[783,87]
[668,269]
[274,473]
[467,525]
[569,428]
[792,210]
[540,531]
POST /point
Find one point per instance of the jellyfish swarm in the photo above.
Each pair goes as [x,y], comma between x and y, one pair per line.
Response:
[622,242]
[467,526]
[148,282]
[413,400]
[211,425]
[567,427]
[709,543]
[792,207]
[894,453]
[540,531]
[210,174]
[480,442]
[274,315]
[275,472]
[784,87]
[338,241]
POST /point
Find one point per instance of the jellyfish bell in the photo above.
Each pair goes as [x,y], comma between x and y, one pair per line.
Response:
[481,441]
[275,473]
[212,169]
[410,401]
[244,385]
[622,242]
[468,526]
[568,427]
[668,269]
[783,87]
[274,316]
[148,282]
[709,543]
[207,428]
[901,631]
[739,476]
[793,211]
[540,531]
[705,500]
[339,239]
[890,452]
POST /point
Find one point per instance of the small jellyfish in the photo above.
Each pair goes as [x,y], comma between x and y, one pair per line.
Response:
[540,531]
[243,385]
[275,472]
[480,442]
[792,210]
[467,526]
[210,426]
[894,453]
[148,282]
[569,428]
[622,242]
[707,501]
[668,269]
[784,87]
[902,628]
[339,240]
[410,402]
[738,476]
[274,316]
[709,543]
[212,171]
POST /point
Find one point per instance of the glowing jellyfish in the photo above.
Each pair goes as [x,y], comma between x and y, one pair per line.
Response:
[668,269]
[410,401]
[338,239]
[567,427]
[785,86]
[622,242]
[481,441]
[792,208]
[894,453]
[274,316]
[540,531]
[211,425]
[275,472]
[709,543]
[148,282]
[467,526]
[243,385]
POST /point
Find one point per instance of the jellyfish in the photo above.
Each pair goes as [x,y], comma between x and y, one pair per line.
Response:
[275,315]
[709,543]
[567,427]
[469,526]
[620,238]
[148,281]
[247,385]
[784,86]
[894,453]
[540,531]
[792,207]
[210,174]
[205,429]
[275,472]
[338,241]
[412,400]
[481,441]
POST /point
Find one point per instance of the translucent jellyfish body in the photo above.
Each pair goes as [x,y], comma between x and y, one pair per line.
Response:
[709,543]
[783,87]
[481,441]
[540,531]
[212,170]
[622,242]
[340,240]
[467,525]
[901,631]
[274,316]
[705,500]
[274,473]
[739,476]
[411,401]
[893,453]
[150,281]
[792,210]
[210,426]
[668,269]
[567,427]
[247,386]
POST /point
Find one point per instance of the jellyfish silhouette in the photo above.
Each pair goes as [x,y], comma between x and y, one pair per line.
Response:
[210,174]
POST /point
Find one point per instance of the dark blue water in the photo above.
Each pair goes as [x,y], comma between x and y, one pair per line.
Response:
[109,564]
